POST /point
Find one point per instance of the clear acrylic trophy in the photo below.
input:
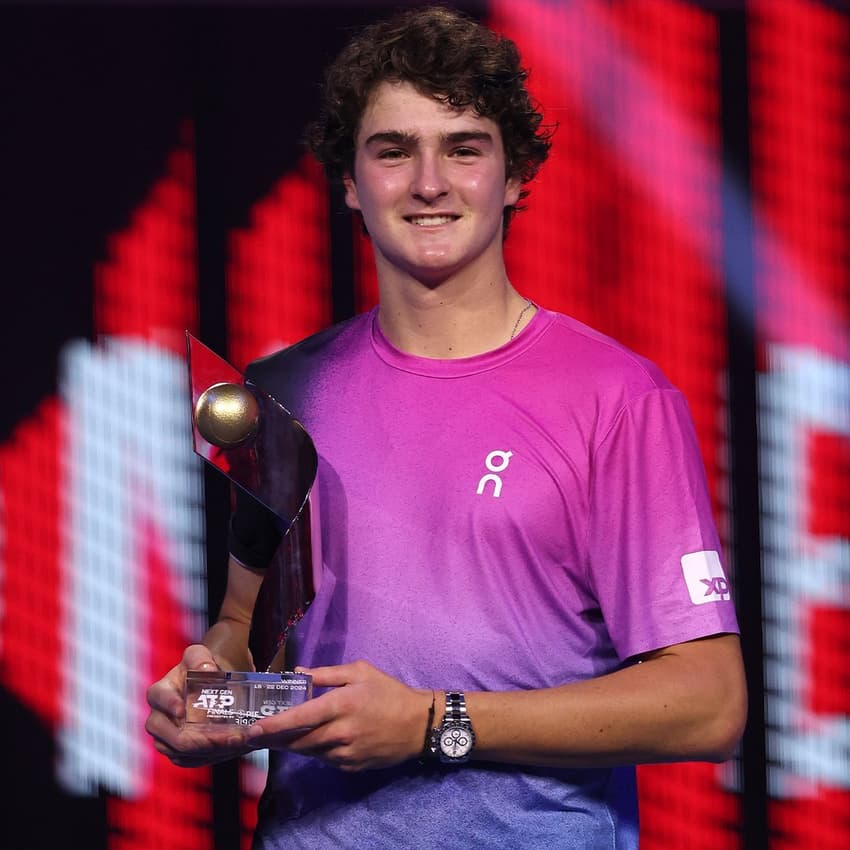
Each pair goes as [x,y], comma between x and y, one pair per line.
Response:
[251,438]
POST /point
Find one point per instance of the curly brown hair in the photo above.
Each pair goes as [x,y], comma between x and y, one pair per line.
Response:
[446,55]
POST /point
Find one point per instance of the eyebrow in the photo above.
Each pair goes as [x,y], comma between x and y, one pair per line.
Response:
[399,137]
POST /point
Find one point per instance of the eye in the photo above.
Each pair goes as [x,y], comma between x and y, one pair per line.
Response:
[465,151]
[392,153]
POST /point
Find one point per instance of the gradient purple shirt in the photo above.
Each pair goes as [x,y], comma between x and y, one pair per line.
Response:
[524,518]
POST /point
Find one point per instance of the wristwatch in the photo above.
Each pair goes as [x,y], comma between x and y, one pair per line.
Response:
[454,739]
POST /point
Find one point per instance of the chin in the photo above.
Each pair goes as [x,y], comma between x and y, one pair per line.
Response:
[433,274]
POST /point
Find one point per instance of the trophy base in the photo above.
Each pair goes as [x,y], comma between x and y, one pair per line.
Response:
[226,697]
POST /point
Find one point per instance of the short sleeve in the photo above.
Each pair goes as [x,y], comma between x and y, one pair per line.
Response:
[654,555]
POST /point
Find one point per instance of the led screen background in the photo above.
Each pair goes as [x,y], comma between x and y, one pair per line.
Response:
[696,206]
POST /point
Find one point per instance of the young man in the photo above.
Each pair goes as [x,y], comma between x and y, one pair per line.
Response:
[516,529]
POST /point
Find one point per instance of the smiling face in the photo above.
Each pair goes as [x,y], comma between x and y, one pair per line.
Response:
[430,183]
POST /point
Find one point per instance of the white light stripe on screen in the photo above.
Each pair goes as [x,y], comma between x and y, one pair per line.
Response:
[131,468]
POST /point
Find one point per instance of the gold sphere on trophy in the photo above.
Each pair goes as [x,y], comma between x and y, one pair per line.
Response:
[227,415]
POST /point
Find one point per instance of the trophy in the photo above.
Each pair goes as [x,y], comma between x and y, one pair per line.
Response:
[252,438]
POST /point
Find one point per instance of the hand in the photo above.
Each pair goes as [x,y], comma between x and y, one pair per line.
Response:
[368,720]
[188,745]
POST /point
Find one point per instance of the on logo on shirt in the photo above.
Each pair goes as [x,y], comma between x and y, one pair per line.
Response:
[497,461]
[704,577]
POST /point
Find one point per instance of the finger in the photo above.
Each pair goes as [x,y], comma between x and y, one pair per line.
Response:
[300,719]
[162,696]
[165,697]
[327,742]
[180,758]
[192,745]
[338,675]
[199,759]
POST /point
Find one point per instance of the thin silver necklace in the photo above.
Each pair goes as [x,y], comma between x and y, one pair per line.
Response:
[528,305]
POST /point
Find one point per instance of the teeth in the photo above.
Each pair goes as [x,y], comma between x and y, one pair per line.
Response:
[430,220]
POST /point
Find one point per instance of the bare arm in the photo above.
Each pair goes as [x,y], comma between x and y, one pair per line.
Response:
[683,703]
[227,638]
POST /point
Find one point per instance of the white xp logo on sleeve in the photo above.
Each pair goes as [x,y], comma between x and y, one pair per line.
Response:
[704,577]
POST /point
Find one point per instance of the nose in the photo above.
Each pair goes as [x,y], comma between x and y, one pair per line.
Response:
[430,181]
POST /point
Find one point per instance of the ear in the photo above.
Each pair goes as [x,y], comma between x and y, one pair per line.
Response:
[351,199]
[512,190]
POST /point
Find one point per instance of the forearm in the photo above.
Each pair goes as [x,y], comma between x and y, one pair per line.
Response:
[683,703]
[672,707]
[228,637]
[228,642]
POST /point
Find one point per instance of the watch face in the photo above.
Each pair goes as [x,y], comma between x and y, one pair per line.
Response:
[456,740]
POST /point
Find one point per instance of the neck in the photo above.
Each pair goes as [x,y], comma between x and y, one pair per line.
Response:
[453,319]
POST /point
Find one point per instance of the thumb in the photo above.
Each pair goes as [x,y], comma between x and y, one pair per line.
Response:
[199,657]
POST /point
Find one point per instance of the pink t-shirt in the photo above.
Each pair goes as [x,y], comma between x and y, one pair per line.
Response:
[524,518]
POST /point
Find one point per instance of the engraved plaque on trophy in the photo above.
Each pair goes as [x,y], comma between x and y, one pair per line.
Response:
[252,438]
